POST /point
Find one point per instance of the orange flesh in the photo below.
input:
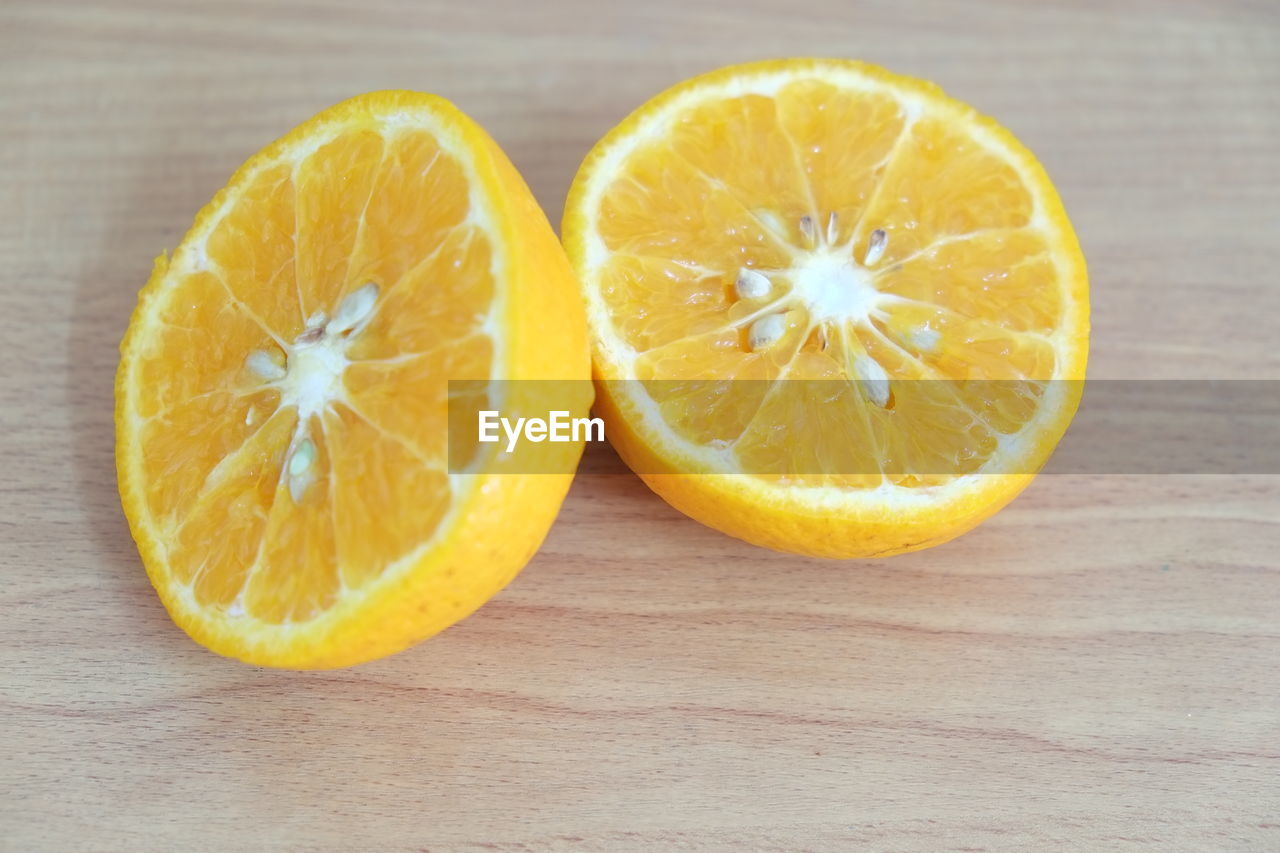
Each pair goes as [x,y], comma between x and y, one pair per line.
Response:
[966,285]
[218,437]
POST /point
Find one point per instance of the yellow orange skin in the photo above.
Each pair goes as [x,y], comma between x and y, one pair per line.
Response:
[502,519]
[795,520]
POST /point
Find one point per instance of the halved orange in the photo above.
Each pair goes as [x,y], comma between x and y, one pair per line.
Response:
[833,311]
[283,395]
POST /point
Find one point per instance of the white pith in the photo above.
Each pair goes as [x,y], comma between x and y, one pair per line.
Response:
[835,291]
[313,375]
[833,287]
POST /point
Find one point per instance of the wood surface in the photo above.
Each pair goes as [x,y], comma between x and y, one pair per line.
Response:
[1097,668]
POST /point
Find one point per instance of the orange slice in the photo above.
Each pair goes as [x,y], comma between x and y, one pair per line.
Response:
[283,394]
[888,278]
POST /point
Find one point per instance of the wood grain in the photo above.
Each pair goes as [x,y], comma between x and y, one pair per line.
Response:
[1096,668]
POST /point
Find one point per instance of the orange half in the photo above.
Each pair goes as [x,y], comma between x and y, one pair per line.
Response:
[833,311]
[283,396]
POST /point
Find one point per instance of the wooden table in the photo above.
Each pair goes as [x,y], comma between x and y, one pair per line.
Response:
[1096,668]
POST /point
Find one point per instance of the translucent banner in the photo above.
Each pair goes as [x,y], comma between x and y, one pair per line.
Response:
[920,428]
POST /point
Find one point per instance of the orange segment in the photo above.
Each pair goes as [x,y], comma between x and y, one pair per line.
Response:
[399,220]
[376,473]
[283,404]
[844,140]
[683,300]
[252,250]
[942,182]
[406,398]
[201,318]
[855,301]
[743,137]
[335,185]
[189,439]
[965,348]
[221,535]
[992,275]
[445,298]
[295,575]
[663,207]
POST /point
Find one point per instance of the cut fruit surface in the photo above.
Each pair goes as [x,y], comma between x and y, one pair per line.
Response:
[282,400]
[890,277]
